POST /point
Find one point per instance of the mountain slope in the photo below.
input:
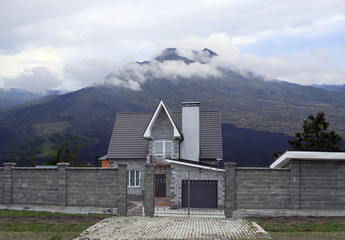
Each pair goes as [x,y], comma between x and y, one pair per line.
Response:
[14,97]
[258,116]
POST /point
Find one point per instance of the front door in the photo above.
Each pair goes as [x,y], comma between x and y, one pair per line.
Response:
[160,185]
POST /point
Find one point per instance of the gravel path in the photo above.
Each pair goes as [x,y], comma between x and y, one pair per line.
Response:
[172,228]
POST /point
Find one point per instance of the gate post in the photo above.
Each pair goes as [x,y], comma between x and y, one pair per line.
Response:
[8,182]
[230,189]
[62,184]
[122,189]
[149,198]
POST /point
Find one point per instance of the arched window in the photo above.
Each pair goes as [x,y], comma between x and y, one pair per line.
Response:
[163,148]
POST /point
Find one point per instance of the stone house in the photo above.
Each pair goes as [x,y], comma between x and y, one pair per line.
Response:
[185,148]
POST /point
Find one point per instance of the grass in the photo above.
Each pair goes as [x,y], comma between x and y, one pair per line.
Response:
[130,205]
[29,225]
[308,228]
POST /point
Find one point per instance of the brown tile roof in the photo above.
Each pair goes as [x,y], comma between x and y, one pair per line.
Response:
[127,141]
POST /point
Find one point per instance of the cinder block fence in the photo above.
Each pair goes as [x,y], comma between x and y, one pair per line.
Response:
[303,187]
[64,187]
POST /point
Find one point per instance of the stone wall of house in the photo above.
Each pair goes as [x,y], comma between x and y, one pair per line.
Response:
[64,187]
[163,129]
[262,188]
[134,193]
[180,172]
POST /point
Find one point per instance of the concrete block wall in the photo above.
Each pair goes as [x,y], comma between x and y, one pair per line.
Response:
[322,185]
[262,188]
[92,187]
[149,202]
[64,187]
[180,172]
[2,193]
[300,186]
[35,186]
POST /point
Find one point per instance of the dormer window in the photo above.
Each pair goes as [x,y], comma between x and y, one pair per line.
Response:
[163,148]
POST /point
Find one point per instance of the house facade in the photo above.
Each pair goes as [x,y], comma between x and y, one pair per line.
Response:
[184,147]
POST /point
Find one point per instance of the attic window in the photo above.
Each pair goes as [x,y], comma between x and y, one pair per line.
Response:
[163,148]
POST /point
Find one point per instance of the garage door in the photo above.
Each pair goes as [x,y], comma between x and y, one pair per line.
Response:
[203,193]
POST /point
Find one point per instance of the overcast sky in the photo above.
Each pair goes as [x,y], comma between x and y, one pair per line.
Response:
[69,44]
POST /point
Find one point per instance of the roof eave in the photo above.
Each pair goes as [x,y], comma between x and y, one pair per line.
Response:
[307,155]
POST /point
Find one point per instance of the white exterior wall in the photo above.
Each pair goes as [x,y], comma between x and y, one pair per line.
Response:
[190,146]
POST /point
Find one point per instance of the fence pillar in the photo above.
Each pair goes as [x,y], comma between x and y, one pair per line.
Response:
[230,189]
[8,182]
[149,198]
[122,189]
[62,184]
[294,185]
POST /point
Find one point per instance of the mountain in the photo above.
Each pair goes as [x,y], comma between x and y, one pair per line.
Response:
[170,54]
[334,88]
[12,97]
[258,116]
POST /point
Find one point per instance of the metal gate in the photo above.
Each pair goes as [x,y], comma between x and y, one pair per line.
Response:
[160,182]
[203,193]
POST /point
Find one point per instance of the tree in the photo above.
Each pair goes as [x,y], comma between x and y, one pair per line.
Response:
[30,158]
[315,136]
[69,152]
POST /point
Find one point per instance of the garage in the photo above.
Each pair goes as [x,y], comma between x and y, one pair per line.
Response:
[203,193]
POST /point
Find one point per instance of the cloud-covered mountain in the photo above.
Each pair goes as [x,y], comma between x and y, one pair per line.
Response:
[258,115]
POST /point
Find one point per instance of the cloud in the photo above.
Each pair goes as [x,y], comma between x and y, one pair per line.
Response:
[78,41]
[302,67]
[36,80]
[133,75]
[72,76]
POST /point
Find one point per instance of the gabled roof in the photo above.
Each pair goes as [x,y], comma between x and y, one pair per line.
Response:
[307,155]
[161,107]
[127,141]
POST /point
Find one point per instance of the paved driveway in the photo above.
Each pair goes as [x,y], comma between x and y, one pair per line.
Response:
[172,228]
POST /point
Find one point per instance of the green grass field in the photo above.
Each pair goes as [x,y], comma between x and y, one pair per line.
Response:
[308,228]
[28,225]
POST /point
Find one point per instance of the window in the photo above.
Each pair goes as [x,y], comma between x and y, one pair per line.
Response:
[163,148]
[133,179]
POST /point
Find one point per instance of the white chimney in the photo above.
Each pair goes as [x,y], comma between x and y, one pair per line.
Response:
[190,146]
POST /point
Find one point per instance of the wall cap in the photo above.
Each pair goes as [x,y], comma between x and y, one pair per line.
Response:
[307,155]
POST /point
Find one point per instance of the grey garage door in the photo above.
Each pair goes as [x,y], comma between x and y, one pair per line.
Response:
[203,193]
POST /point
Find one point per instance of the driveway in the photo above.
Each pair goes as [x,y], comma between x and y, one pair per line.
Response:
[172,228]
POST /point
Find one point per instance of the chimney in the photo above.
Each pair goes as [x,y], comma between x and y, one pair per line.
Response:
[190,146]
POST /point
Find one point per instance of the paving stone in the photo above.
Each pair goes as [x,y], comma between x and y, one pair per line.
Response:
[172,228]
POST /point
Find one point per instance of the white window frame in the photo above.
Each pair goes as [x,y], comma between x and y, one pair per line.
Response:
[136,177]
[163,141]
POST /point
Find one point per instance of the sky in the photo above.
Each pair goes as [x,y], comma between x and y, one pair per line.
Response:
[71,44]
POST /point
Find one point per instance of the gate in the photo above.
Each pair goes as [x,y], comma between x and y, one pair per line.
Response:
[203,193]
[160,183]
